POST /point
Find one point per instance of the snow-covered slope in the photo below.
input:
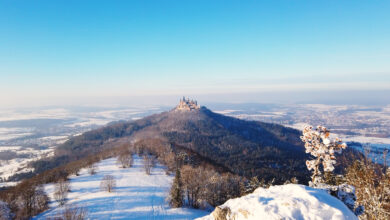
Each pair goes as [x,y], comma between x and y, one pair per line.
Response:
[136,196]
[290,201]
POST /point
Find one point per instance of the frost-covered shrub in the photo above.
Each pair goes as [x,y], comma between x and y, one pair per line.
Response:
[319,144]
[323,148]
[5,212]
[346,193]
[372,182]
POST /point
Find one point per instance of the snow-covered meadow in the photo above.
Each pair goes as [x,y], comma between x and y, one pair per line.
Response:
[136,196]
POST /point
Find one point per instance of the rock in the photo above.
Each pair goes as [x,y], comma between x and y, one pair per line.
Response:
[221,213]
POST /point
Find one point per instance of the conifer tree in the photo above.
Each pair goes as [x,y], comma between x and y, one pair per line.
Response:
[176,191]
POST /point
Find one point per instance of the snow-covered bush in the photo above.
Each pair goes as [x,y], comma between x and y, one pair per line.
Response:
[372,182]
[323,148]
[346,193]
[5,212]
[319,144]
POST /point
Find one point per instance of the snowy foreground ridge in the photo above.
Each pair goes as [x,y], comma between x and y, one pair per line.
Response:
[141,196]
[136,196]
[290,201]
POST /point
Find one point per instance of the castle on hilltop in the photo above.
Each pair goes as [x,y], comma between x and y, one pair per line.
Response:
[187,104]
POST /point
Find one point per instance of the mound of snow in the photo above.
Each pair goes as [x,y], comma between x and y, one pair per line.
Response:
[136,195]
[290,201]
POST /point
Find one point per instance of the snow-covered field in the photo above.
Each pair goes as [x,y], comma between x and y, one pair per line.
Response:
[37,131]
[290,201]
[136,196]
[19,165]
[359,123]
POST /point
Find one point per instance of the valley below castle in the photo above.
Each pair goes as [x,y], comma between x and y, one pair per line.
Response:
[27,135]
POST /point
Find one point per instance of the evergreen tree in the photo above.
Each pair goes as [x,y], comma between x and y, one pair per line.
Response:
[176,191]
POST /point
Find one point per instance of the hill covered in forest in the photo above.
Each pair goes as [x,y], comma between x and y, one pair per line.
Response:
[246,148]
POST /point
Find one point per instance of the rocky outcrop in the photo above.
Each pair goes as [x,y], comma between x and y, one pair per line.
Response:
[221,213]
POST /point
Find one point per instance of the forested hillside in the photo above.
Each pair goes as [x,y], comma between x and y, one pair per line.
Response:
[247,148]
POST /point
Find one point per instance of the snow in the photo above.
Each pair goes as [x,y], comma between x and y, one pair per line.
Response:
[89,122]
[11,115]
[364,139]
[7,148]
[136,196]
[227,111]
[11,133]
[60,137]
[21,164]
[290,201]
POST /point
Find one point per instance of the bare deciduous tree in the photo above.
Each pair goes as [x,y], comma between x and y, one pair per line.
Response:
[108,183]
[74,212]
[125,159]
[61,190]
[31,201]
[149,163]
[92,169]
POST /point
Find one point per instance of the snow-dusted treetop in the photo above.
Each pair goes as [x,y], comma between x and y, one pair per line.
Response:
[323,148]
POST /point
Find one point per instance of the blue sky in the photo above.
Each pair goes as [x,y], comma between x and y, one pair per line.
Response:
[84,50]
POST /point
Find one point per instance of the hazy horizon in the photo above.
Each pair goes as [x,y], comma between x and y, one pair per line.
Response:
[135,52]
[363,98]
